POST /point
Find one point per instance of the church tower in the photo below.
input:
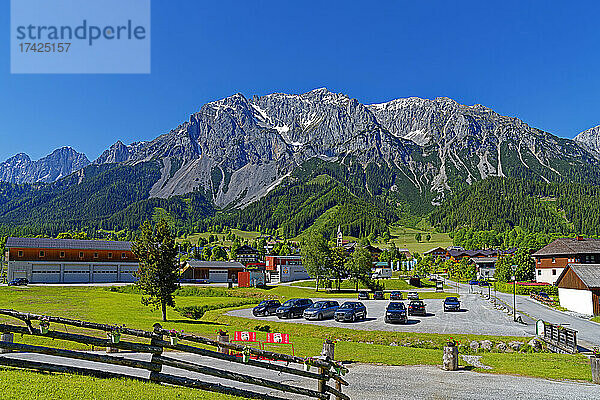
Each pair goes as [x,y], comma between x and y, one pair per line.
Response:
[340,237]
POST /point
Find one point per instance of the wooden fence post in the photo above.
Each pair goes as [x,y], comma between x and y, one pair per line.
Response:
[328,349]
[223,339]
[6,337]
[450,358]
[595,364]
[157,337]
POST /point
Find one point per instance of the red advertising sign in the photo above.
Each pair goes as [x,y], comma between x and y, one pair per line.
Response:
[283,338]
[242,336]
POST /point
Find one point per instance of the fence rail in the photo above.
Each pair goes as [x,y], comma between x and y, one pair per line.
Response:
[327,369]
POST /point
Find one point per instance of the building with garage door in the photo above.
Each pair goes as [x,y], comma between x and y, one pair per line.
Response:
[43,260]
[211,271]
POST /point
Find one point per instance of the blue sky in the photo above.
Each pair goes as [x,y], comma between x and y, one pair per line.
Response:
[536,60]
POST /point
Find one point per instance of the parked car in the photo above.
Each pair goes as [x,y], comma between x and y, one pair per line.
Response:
[293,308]
[396,312]
[351,311]
[412,296]
[321,310]
[19,282]
[484,283]
[416,307]
[473,282]
[378,295]
[451,304]
[266,307]
[363,295]
[396,295]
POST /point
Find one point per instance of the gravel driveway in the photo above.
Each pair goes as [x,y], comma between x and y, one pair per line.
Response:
[476,317]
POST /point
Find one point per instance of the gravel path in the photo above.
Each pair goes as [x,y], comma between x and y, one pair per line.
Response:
[374,382]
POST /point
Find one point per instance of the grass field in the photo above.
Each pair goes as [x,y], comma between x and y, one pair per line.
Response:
[122,306]
[18,385]
[404,238]
[249,235]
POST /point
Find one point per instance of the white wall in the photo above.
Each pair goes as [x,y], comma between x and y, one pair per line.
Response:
[547,276]
[290,273]
[576,300]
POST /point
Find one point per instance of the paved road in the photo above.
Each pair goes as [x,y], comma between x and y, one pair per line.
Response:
[376,382]
[477,317]
[588,332]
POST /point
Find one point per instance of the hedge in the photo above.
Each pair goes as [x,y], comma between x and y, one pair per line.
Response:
[526,289]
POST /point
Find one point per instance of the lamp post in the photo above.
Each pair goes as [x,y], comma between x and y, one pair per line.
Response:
[514,279]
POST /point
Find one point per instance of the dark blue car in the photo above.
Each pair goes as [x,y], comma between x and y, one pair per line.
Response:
[451,304]
[396,312]
[19,282]
[293,308]
[351,311]
[266,307]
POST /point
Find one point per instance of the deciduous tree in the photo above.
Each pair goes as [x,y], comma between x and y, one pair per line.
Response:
[157,275]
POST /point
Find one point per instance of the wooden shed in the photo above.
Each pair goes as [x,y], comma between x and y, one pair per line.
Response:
[579,288]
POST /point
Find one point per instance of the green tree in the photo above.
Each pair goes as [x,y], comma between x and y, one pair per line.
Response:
[206,253]
[359,265]
[418,237]
[428,237]
[316,256]
[157,275]
[218,254]
[338,264]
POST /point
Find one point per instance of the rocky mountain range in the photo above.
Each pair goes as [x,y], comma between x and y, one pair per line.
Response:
[238,149]
[59,164]
[590,139]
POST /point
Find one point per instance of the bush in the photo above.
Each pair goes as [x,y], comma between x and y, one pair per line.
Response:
[527,289]
[197,312]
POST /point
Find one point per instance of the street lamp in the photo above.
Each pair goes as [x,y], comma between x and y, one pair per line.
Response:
[514,279]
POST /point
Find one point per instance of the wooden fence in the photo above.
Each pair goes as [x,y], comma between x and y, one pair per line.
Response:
[327,371]
[559,339]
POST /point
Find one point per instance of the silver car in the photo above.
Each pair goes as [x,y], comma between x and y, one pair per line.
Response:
[321,310]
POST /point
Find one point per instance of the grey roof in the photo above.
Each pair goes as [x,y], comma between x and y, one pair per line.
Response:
[46,243]
[214,264]
[588,273]
[570,246]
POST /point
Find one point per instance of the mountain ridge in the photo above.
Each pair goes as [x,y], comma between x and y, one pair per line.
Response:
[238,149]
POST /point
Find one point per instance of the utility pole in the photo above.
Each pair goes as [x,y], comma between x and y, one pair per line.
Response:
[514,279]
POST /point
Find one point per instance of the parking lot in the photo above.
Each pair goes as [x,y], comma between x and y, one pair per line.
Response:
[476,317]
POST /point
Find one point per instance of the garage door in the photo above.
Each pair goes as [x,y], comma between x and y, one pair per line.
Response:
[76,274]
[127,273]
[44,273]
[217,275]
[105,273]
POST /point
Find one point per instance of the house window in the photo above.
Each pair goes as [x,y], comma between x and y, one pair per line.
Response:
[42,253]
[539,260]
[553,260]
[20,253]
[123,255]
[95,255]
[553,272]
[62,254]
[539,272]
[81,254]
[109,255]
